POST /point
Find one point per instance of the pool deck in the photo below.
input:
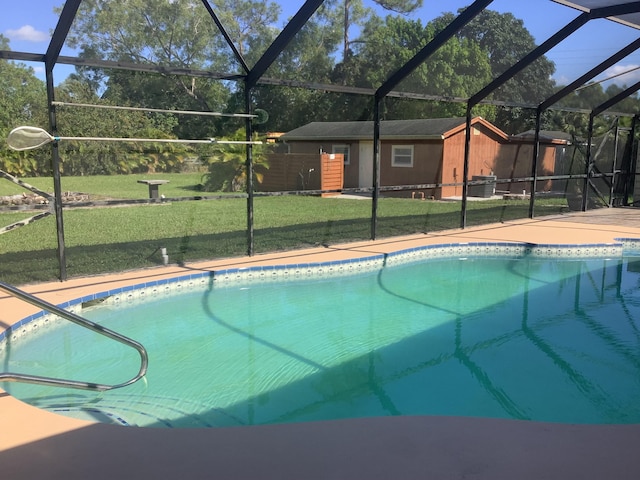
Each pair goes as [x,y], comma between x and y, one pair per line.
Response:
[35,444]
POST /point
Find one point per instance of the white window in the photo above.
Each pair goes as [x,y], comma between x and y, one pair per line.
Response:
[344,150]
[402,155]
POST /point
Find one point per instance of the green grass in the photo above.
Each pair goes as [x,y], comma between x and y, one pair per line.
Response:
[114,186]
[114,239]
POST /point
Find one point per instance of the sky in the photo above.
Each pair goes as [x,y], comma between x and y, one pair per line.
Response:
[28,25]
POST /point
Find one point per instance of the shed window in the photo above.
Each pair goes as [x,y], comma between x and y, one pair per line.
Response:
[402,156]
[344,150]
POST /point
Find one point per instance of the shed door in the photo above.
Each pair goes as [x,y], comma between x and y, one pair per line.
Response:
[365,165]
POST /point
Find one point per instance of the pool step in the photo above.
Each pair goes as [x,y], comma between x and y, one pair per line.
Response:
[161,412]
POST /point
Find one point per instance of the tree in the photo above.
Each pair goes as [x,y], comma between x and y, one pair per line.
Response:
[250,24]
[456,69]
[106,158]
[587,98]
[355,13]
[174,34]
[506,40]
[630,105]
[165,92]
[22,102]
[308,58]
[157,32]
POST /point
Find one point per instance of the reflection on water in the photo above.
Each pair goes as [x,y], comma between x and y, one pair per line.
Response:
[531,339]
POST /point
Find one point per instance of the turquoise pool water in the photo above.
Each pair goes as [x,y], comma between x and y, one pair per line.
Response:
[523,338]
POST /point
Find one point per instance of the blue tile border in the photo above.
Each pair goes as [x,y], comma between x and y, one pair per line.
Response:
[335,268]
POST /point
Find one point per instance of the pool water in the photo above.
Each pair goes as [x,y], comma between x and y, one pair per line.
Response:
[521,338]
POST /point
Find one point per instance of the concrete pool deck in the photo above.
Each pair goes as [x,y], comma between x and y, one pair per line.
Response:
[36,444]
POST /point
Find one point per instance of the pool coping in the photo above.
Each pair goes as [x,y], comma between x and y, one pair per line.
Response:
[44,445]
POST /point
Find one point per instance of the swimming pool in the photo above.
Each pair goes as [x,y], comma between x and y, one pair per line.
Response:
[479,330]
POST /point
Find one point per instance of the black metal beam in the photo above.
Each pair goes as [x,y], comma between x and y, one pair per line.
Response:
[119,65]
[614,162]
[67,15]
[629,187]
[375,195]
[588,165]
[465,168]
[28,57]
[597,111]
[616,99]
[136,67]
[441,38]
[56,173]
[280,43]
[414,96]
[534,163]
[226,36]
[538,52]
[249,171]
[633,46]
[58,38]
[615,58]
[554,40]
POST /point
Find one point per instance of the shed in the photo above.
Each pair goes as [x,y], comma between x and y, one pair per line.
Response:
[412,152]
[516,160]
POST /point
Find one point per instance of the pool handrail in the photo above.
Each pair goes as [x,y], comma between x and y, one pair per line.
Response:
[83,322]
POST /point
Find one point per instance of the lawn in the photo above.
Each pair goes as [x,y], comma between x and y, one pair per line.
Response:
[114,186]
[111,239]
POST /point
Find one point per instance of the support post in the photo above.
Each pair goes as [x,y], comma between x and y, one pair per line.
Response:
[631,174]
[55,168]
[534,163]
[249,170]
[376,167]
[60,33]
[614,162]
[587,167]
[465,168]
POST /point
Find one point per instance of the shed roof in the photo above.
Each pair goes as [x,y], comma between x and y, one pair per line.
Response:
[547,136]
[423,128]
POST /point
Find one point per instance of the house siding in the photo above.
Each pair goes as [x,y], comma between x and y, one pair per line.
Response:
[441,160]
[516,160]
[427,160]
[483,151]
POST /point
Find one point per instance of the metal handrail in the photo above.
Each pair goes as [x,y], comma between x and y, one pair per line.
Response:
[83,322]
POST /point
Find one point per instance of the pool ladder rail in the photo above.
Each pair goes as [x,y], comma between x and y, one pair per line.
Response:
[83,322]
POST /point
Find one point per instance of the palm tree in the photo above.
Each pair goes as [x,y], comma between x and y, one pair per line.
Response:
[227,170]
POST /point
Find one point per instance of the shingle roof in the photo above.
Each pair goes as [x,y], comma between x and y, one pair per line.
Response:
[546,135]
[420,128]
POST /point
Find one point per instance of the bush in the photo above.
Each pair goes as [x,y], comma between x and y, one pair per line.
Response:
[226,166]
